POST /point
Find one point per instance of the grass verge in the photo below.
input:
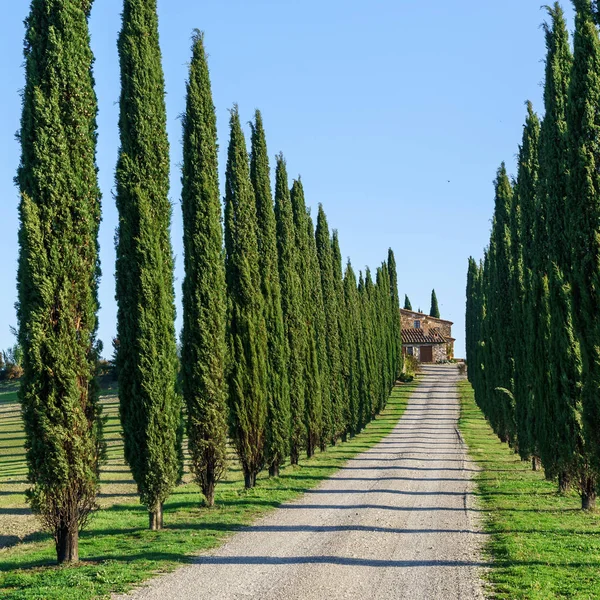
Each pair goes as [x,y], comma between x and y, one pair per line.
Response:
[542,545]
[118,551]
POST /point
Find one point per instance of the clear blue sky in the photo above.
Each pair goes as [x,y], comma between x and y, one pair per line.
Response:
[397,114]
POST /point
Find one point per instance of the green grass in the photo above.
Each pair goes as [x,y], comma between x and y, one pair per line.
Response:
[118,550]
[542,545]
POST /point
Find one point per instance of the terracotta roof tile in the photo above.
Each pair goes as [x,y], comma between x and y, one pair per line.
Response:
[420,336]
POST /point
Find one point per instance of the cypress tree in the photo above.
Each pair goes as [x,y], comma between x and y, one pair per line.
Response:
[203,346]
[470,320]
[291,301]
[320,329]
[352,348]
[247,336]
[278,399]
[561,446]
[58,270]
[343,329]
[396,321]
[407,304]
[521,234]
[366,362]
[147,359]
[369,309]
[434,311]
[583,123]
[332,335]
[499,311]
[316,394]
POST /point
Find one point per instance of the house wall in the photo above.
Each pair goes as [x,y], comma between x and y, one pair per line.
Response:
[439,351]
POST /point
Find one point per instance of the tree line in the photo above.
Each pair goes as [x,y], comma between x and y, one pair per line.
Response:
[533,317]
[283,350]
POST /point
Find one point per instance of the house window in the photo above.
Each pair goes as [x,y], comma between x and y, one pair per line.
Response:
[410,351]
[417,324]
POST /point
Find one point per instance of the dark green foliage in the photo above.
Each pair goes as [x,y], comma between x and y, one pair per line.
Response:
[317,404]
[345,352]
[278,390]
[583,120]
[434,310]
[147,358]
[247,336]
[293,313]
[407,304]
[521,233]
[58,270]
[396,323]
[332,329]
[353,348]
[499,313]
[203,347]
[537,345]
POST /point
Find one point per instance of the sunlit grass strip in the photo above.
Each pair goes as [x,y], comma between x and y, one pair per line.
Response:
[119,551]
[542,545]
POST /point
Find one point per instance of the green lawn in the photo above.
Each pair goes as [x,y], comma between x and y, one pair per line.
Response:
[117,550]
[542,545]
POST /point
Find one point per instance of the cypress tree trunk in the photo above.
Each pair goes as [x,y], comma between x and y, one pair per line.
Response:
[147,361]
[203,346]
[58,271]
[291,302]
[246,328]
[278,388]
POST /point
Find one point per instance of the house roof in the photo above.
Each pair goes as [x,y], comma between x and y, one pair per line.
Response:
[407,313]
[420,336]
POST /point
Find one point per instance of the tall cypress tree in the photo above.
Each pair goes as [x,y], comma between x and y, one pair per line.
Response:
[434,311]
[320,330]
[521,234]
[561,446]
[366,350]
[583,123]
[147,358]
[396,321]
[330,302]
[247,336]
[58,270]
[291,301]
[500,320]
[316,394]
[343,329]
[278,401]
[203,346]
[351,348]
[407,304]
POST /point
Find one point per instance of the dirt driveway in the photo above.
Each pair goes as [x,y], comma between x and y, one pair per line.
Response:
[397,521]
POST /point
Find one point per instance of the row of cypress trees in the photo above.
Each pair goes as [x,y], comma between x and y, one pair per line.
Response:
[533,317]
[281,351]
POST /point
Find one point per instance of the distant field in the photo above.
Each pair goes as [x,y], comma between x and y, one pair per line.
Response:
[118,550]
[543,546]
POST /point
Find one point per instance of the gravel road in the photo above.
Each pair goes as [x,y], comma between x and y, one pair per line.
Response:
[398,521]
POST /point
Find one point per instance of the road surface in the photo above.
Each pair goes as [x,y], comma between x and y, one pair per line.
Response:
[398,521]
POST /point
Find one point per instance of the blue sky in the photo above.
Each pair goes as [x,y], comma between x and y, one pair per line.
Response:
[396,113]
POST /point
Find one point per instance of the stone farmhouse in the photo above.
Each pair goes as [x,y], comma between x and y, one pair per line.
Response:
[426,338]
